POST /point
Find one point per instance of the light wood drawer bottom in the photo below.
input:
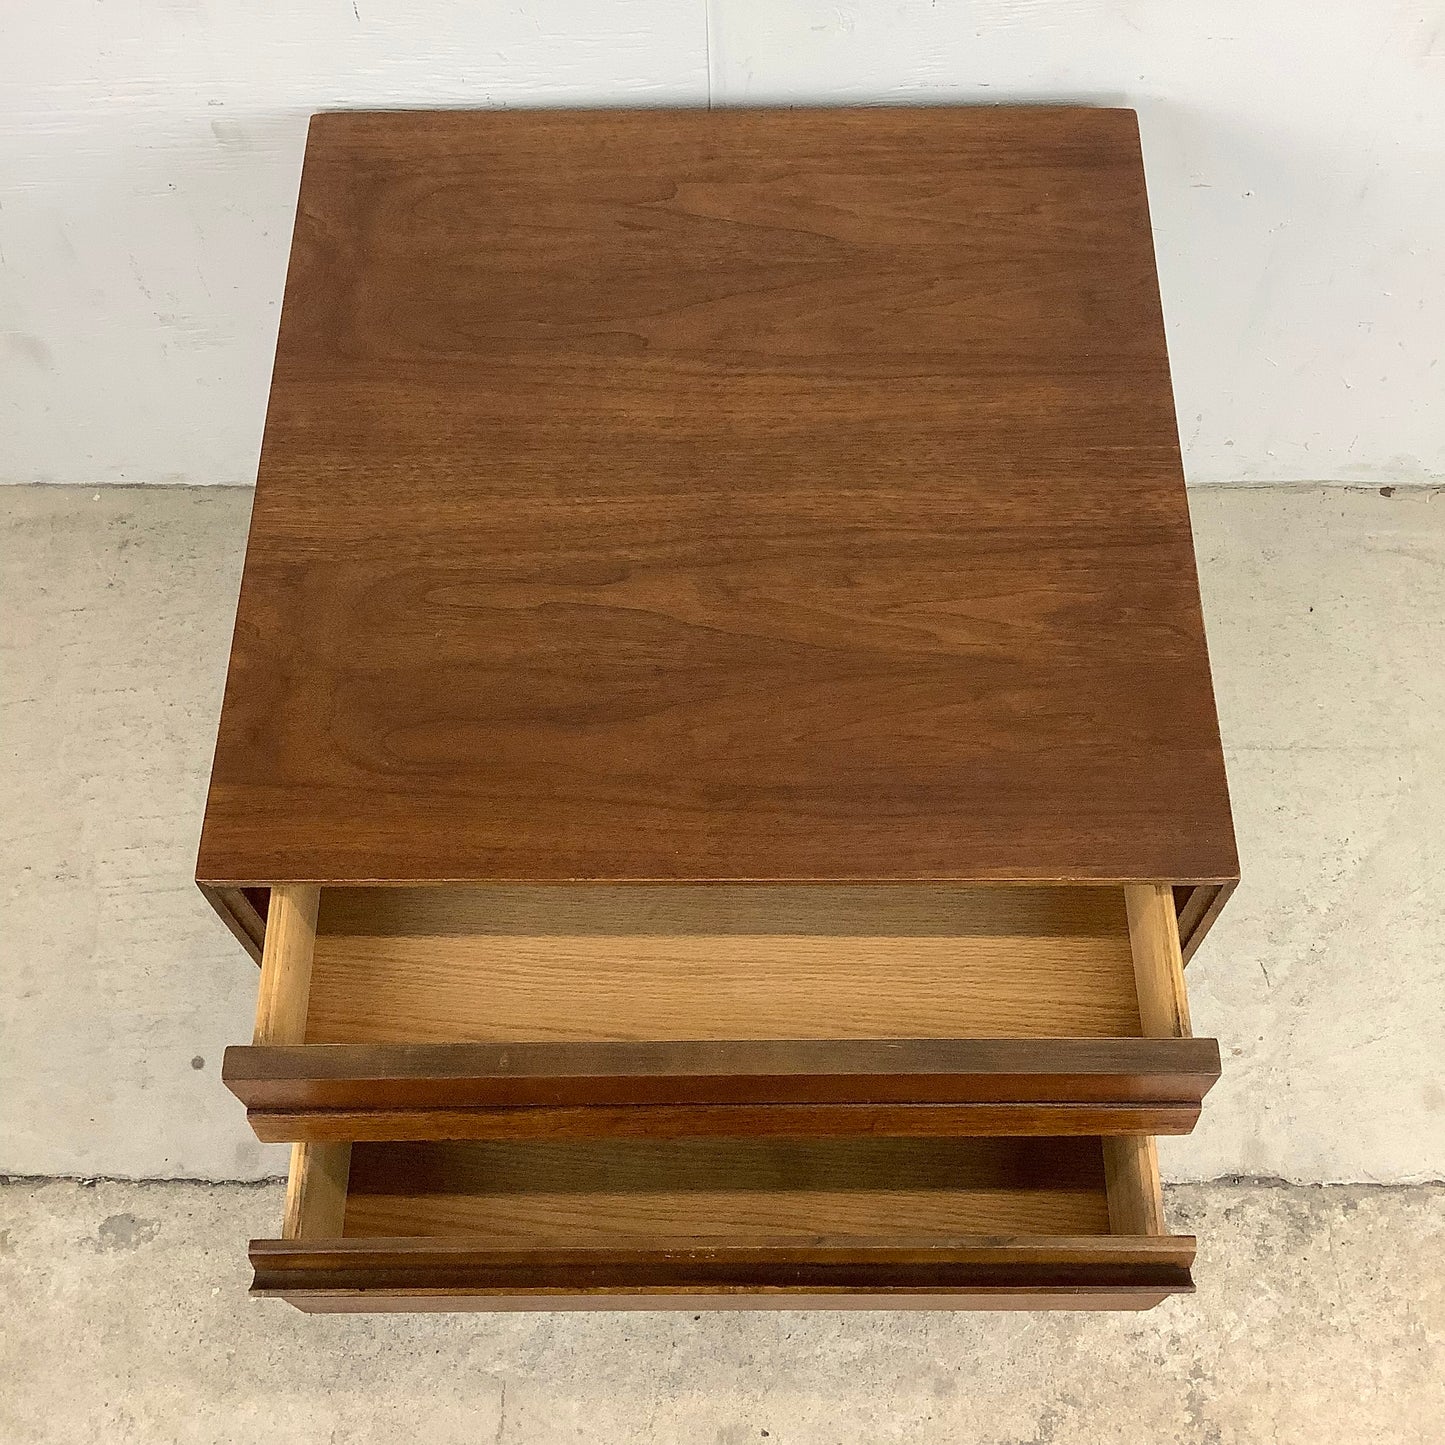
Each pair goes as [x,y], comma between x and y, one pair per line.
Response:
[994,1223]
[531,1013]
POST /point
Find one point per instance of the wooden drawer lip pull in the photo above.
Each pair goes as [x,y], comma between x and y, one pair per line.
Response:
[1107,1264]
[690,1121]
[371,1076]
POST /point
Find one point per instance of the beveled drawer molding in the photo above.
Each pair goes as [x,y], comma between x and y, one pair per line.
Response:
[880,1223]
[755,1086]
[720,965]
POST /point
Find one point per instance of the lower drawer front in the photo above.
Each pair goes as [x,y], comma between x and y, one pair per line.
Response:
[744,1223]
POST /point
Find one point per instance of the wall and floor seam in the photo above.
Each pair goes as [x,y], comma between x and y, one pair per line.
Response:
[134,1181]
[1322,606]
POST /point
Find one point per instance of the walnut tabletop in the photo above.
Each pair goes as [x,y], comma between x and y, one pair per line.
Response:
[733,495]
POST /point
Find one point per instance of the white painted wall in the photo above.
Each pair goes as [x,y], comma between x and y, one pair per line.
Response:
[150,149]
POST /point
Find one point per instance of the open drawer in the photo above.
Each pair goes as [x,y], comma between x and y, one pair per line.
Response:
[528,1013]
[1072,1223]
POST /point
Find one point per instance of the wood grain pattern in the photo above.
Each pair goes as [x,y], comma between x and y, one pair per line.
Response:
[890,1272]
[1205,905]
[326,1076]
[1136,1200]
[316,1191]
[236,910]
[783,1087]
[772,495]
[286,958]
[728,1192]
[887,1223]
[591,964]
[1158,964]
[1191,904]
[712,1121]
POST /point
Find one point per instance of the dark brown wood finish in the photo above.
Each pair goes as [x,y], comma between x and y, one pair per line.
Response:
[690,1192]
[785,495]
[330,1091]
[722,1121]
[239,912]
[403,1302]
[1098,1272]
[990,1222]
[508,1013]
[1196,918]
[775,497]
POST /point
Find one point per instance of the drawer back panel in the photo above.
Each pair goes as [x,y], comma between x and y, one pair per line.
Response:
[507,964]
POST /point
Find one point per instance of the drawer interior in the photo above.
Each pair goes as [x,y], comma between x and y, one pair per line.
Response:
[437,1013]
[997,1218]
[448,965]
[727,1190]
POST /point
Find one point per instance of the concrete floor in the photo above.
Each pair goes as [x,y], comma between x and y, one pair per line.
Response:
[1319,1313]
[1319,1318]
[1324,980]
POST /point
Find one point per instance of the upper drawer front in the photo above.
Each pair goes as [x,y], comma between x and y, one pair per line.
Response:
[515,1012]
